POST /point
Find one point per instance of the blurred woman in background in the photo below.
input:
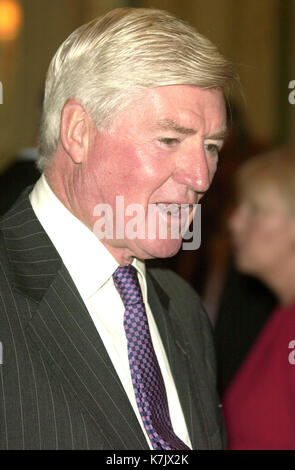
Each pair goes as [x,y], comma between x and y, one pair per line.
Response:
[259,405]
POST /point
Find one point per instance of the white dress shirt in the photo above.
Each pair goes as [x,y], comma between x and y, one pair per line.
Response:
[91,267]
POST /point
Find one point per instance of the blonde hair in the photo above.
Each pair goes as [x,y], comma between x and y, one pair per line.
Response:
[103,62]
[275,168]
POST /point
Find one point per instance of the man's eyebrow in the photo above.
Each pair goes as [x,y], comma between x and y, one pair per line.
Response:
[170,125]
[221,135]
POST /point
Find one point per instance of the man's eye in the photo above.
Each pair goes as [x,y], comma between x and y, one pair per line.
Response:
[212,148]
[169,141]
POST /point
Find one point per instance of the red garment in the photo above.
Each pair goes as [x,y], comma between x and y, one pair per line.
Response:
[259,405]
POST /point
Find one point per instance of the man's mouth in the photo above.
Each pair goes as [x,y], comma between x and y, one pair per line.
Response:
[178,214]
[171,208]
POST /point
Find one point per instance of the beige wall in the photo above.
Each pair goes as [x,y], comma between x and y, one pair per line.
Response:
[245,30]
[23,65]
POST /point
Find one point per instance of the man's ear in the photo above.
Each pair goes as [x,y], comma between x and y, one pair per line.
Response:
[75,130]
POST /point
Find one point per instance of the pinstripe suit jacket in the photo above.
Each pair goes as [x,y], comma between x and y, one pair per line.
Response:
[58,387]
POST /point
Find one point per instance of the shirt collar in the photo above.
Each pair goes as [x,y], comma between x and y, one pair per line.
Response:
[141,270]
[89,263]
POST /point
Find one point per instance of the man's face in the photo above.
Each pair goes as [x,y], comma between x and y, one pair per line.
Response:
[162,149]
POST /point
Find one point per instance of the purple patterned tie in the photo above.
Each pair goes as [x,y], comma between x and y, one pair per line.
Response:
[146,376]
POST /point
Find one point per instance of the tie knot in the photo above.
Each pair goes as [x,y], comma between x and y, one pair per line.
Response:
[126,283]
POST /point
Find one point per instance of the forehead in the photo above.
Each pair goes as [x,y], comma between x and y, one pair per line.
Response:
[183,106]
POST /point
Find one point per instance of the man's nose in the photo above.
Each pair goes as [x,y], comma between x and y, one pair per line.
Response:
[194,171]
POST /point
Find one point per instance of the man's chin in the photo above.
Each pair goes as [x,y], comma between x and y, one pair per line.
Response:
[158,248]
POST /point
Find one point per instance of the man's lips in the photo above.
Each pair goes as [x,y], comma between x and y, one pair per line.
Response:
[172,204]
[179,203]
[175,211]
[172,208]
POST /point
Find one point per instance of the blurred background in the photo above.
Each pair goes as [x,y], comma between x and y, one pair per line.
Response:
[259,37]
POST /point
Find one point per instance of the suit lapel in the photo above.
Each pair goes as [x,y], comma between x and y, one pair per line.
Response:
[62,329]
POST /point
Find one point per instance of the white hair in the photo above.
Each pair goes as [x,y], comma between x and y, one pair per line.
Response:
[101,63]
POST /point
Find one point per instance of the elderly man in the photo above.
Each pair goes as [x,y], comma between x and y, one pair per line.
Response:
[98,352]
